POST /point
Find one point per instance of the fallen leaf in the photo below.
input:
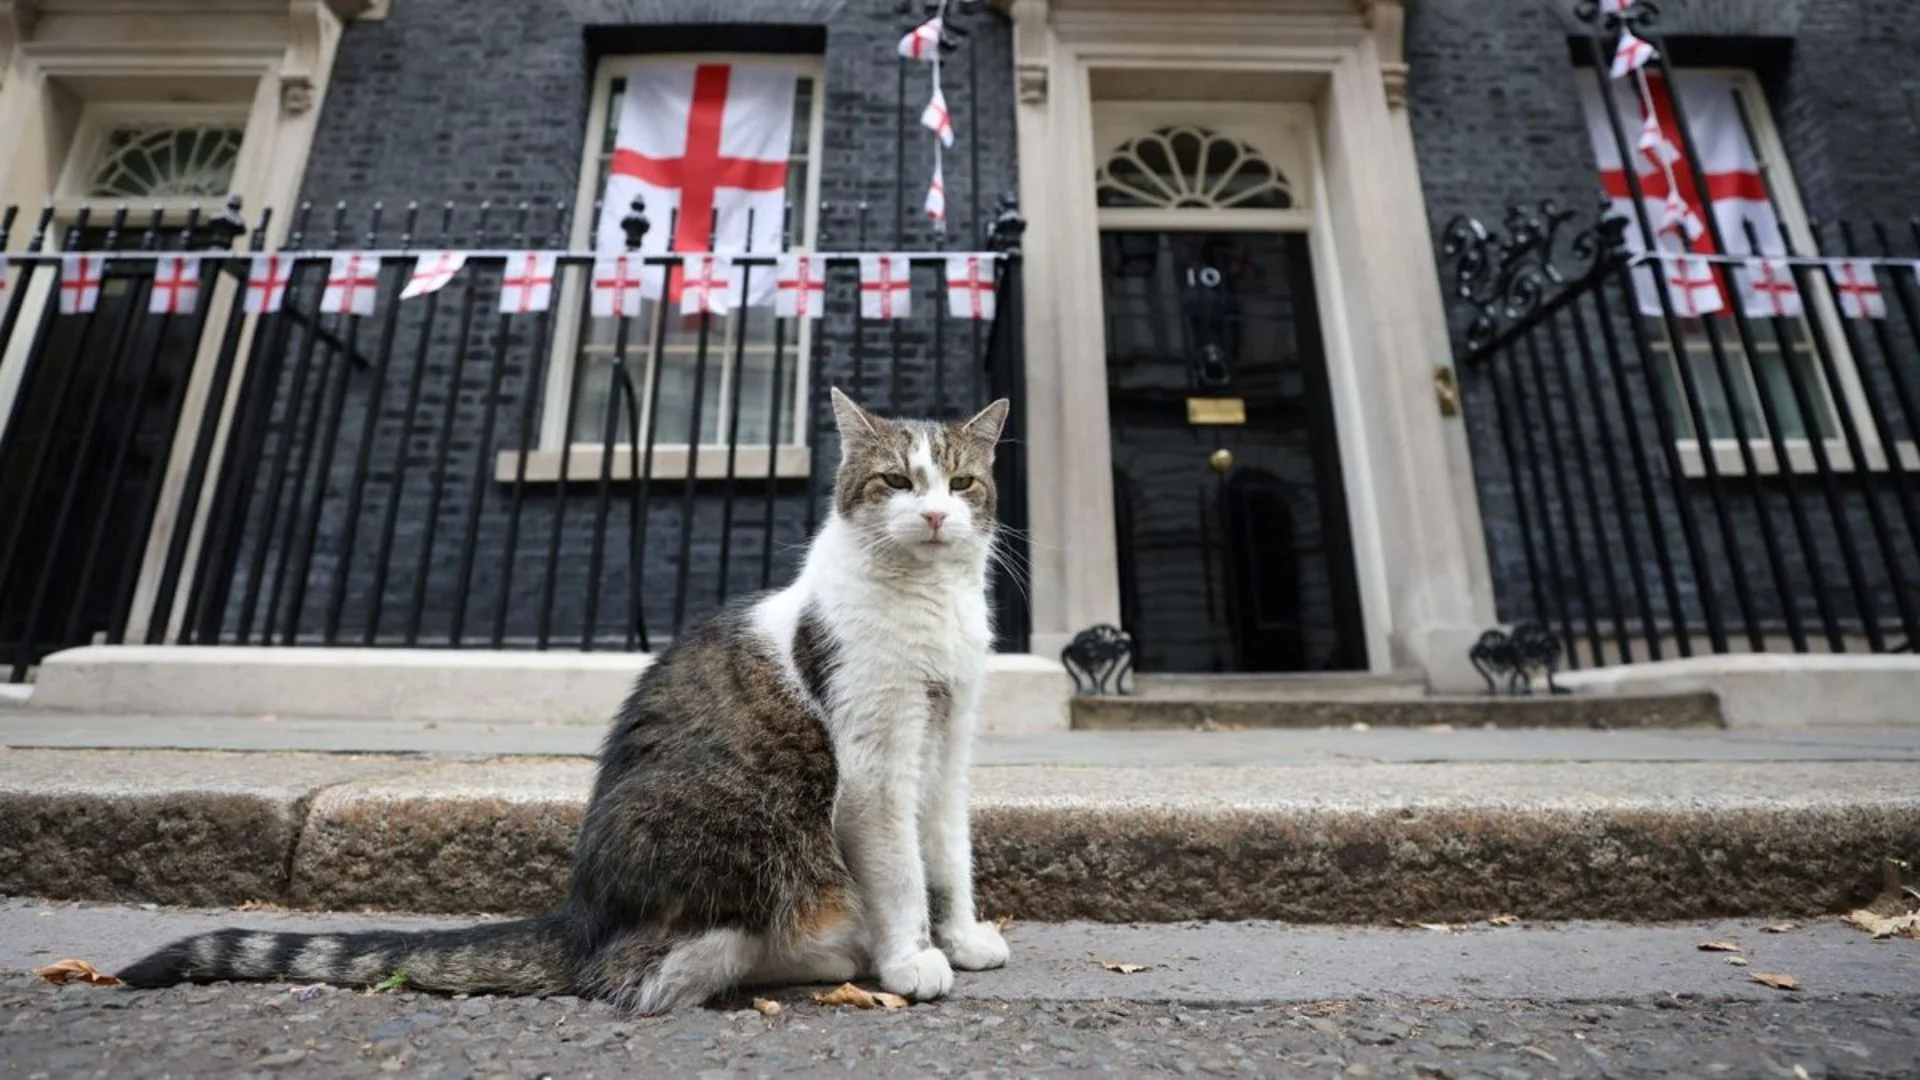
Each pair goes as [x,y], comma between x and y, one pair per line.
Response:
[849,994]
[1439,927]
[1776,980]
[765,1006]
[1002,923]
[72,971]
[1124,969]
[1885,926]
[1504,920]
[1718,946]
[1738,961]
[395,981]
[1780,928]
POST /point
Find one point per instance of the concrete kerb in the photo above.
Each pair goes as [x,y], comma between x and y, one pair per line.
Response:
[1776,691]
[1023,693]
[1336,843]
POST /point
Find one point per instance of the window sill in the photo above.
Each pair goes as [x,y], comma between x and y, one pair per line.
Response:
[1727,460]
[669,463]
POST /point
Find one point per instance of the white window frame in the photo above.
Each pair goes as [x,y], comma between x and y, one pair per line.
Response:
[792,458]
[97,122]
[1822,318]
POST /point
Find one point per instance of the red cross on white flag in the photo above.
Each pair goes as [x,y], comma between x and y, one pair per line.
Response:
[936,205]
[80,278]
[706,147]
[886,287]
[1632,55]
[922,42]
[937,119]
[527,285]
[1767,290]
[1615,7]
[432,273]
[1677,217]
[176,285]
[1860,295]
[353,281]
[1693,287]
[970,286]
[267,279]
[3,276]
[616,286]
[712,285]
[801,290]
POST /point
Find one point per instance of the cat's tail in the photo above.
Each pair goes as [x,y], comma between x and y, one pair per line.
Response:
[521,957]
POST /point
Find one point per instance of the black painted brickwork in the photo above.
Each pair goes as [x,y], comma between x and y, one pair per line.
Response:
[1496,120]
[456,100]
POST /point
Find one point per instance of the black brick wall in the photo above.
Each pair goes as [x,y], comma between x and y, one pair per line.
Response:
[451,100]
[1497,120]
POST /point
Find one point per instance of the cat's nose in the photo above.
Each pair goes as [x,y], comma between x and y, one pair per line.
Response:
[934,519]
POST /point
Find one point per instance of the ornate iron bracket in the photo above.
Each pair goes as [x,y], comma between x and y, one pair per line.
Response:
[1503,279]
[1517,655]
[1099,656]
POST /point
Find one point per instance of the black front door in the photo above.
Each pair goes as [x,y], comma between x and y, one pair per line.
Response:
[1233,541]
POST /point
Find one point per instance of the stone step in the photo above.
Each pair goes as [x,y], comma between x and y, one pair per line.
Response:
[1235,709]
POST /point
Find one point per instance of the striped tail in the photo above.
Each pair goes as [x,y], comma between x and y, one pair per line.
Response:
[522,957]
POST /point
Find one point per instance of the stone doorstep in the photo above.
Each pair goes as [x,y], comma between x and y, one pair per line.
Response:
[1334,843]
[1695,709]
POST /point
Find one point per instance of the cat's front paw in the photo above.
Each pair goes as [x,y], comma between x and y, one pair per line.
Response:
[920,977]
[974,946]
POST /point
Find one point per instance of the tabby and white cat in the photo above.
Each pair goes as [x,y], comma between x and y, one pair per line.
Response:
[783,797]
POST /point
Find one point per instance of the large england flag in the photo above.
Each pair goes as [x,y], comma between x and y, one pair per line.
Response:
[706,146]
[1733,180]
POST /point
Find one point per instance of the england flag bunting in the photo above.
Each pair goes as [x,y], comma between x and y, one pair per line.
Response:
[970,286]
[432,272]
[712,285]
[267,279]
[3,277]
[1670,191]
[176,285]
[886,287]
[353,282]
[936,205]
[80,278]
[800,286]
[527,285]
[1859,290]
[705,146]
[617,286]
[936,119]
[922,42]
[1632,55]
[1768,291]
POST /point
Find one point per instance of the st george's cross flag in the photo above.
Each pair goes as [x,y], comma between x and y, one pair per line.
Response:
[353,281]
[432,273]
[936,204]
[886,287]
[1858,288]
[936,119]
[80,280]
[711,285]
[267,280]
[705,146]
[527,285]
[1632,55]
[801,282]
[922,42]
[1768,290]
[970,286]
[176,285]
[3,277]
[1670,189]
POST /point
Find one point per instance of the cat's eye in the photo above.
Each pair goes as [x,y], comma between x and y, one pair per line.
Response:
[961,483]
[896,481]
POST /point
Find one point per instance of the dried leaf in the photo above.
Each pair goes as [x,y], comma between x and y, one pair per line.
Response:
[1718,946]
[1885,926]
[1738,961]
[1124,969]
[1440,927]
[1002,923]
[1776,980]
[1780,928]
[765,1006]
[1504,920]
[72,971]
[849,994]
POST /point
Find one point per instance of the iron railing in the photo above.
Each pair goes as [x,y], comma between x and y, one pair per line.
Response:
[1665,485]
[398,479]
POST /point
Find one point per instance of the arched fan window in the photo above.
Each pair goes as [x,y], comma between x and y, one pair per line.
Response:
[1188,167]
[171,161]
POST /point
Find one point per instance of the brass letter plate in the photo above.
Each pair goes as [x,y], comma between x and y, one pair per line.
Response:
[1216,410]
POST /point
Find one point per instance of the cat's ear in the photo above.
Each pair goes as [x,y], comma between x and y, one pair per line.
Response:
[986,423]
[855,423]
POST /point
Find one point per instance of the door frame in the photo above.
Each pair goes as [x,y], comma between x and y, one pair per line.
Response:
[1285,133]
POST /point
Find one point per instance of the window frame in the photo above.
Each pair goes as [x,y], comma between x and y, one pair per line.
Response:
[792,456]
[96,122]
[1821,317]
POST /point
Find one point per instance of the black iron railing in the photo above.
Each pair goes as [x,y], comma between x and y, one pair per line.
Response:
[437,473]
[1660,483]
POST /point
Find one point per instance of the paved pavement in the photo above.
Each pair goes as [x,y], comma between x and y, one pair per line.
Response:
[1215,999]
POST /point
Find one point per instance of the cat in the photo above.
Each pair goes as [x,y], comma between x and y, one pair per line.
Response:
[782,798]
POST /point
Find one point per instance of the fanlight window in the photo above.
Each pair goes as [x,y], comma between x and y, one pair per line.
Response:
[166,162]
[1180,168]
